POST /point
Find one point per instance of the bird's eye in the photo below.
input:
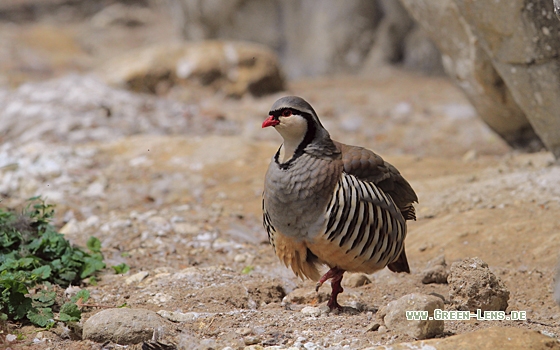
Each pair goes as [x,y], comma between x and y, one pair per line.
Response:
[286,113]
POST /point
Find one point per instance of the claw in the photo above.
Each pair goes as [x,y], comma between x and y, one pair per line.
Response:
[335,275]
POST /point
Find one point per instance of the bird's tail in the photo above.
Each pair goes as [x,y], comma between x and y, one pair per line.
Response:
[401,264]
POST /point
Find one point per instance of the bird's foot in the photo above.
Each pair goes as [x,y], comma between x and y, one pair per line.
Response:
[335,275]
[334,305]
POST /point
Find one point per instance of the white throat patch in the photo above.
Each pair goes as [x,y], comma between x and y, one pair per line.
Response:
[293,130]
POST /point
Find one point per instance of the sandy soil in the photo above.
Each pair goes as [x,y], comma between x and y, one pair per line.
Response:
[186,209]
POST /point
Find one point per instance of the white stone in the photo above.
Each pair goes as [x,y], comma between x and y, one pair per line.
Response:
[394,316]
[123,326]
[95,189]
[356,280]
[311,311]
[179,316]
[137,277]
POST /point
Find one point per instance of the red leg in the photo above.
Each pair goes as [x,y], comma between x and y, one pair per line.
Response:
[335,275]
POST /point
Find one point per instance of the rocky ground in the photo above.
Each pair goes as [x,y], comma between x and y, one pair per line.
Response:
[172,187]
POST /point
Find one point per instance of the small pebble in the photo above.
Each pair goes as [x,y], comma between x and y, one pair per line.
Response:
[312,346]
[137,277]
[243,331]
[179,316]
[185,228]
[312,311]
[356,280]
[251,340]
[436,274]
[373,327]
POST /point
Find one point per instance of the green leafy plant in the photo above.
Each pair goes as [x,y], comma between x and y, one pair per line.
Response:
[33,256]
[121,268]
[247,269]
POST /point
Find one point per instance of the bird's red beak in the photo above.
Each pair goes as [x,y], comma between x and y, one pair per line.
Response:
[270,121]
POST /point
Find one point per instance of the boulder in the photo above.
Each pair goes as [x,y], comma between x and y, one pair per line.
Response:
[234,68]
[504,57]
[124,326]
[522,40]
[473,286]
[395,318]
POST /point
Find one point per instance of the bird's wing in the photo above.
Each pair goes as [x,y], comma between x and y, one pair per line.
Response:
[368,166]
[365,230]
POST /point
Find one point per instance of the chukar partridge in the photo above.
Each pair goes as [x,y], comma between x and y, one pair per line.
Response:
[325,202]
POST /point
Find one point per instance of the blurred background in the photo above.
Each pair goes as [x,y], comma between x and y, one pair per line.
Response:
[509,73]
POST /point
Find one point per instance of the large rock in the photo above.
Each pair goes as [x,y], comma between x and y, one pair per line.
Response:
[395,318]
[504,57]
[521,38]
[473,286]
[485,339]
[124,326]
[235,68]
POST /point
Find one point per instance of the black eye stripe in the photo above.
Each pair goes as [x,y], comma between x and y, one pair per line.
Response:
[278,113]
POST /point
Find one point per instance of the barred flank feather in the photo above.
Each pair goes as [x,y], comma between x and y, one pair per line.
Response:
[364,222]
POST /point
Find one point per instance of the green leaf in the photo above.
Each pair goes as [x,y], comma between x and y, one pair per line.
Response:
[68,277]
[13,299]
[82,294]
[44,298]
[23,306]
[32,199]
[43,272]
[247,270]
[42,317]
[69,312]
[91,266]
[94,244]
[121,268]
